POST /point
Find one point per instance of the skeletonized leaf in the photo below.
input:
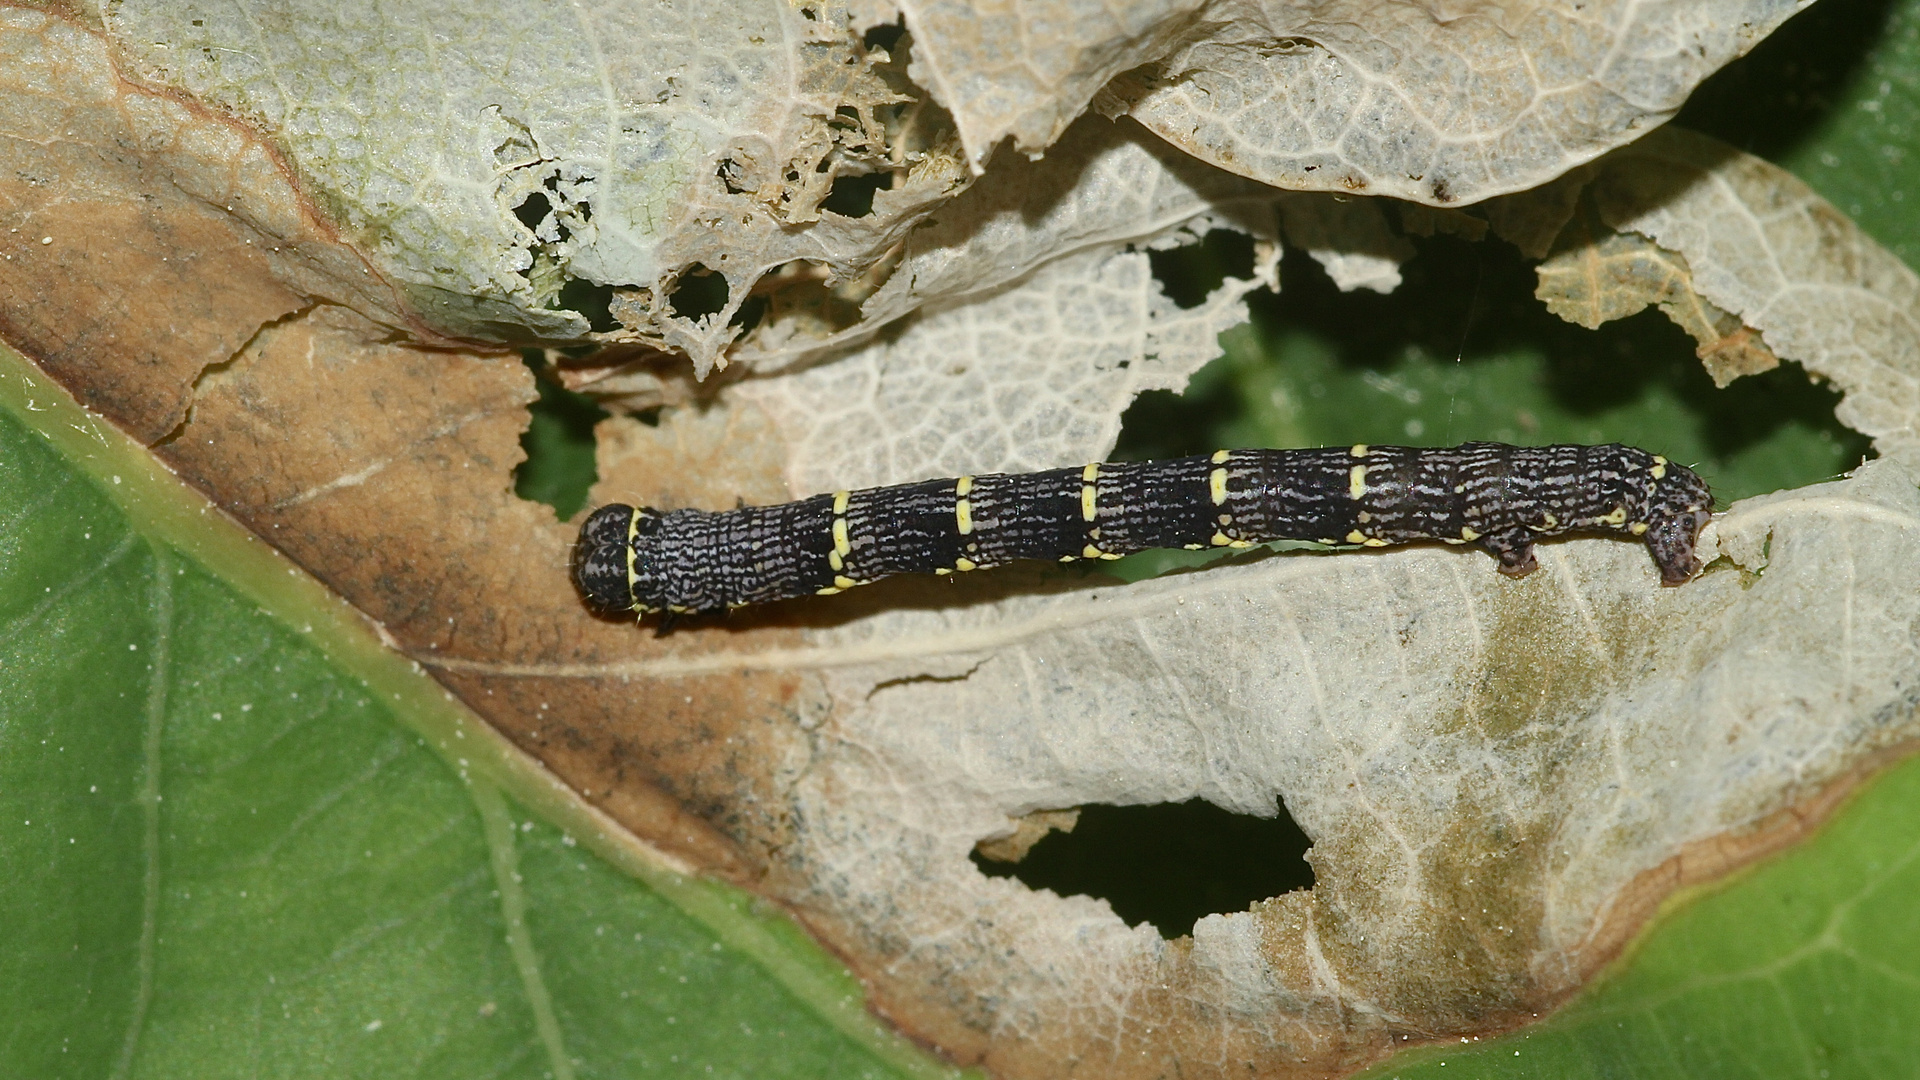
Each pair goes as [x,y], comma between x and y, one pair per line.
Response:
[1024,378]
[1760,244]
[458,146]
[1104,186]
[1501,779]
[572,175]
[1440,104]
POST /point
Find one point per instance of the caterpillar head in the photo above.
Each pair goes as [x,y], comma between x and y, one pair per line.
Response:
[611,567]
[1679,506]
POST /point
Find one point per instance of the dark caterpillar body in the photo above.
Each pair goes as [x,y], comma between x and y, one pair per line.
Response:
[1500,497]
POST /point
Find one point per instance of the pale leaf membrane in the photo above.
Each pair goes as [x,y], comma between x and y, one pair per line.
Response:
[1027,68]
[1435,103]
[1033,376]
[1492,772]
[1104,184]
[485,156]
[583,173]
[1761,245]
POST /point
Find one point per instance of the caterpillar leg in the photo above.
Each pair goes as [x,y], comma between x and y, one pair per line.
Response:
[1514,548]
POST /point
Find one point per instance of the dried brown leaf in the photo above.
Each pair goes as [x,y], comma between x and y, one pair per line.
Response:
[1027,831]
[1603,275]
[154,289]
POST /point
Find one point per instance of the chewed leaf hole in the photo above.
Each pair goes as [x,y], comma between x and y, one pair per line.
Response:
[852,196]
[1463,350]
[592,300]
[886,35]
[1189,272]
[559,468]
[699,293]
[1168,864]
[533,210]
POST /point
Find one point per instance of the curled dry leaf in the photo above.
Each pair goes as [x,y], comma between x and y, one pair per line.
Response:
[1601,276]
[1500,778]
[587,174]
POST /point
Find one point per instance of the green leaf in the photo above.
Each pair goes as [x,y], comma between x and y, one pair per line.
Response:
[1834,96]
[244,839]
[559,444]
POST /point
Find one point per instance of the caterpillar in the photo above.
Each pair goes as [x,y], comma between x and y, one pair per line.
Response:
[1502,498]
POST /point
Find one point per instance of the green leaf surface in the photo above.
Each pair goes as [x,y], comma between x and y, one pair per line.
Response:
[243,839]
[559,467]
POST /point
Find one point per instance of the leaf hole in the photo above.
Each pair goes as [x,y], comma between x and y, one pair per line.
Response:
[1191,271]
[1169,864]
[752,312]
[1462,351]
[533,210]
[700,292]
[592,301]
[559,469]
[886,35]
[852,196]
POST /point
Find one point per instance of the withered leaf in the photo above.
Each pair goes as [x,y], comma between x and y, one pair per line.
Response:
[466,162]
[133,207]
[1762,246]
[1603,276]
